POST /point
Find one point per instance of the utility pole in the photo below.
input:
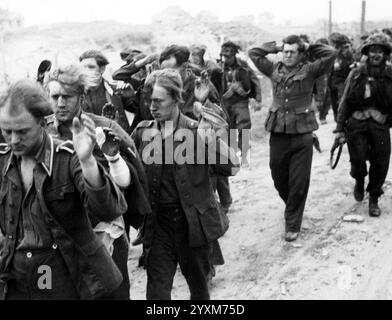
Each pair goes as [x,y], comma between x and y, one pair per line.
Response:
[2,49]
[363,15]
[330,18]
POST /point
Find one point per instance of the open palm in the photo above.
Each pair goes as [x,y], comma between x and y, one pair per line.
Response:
[84,137]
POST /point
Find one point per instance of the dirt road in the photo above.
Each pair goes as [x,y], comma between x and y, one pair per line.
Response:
[331,259]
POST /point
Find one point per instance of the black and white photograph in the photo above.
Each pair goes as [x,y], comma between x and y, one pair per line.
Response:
[195,150]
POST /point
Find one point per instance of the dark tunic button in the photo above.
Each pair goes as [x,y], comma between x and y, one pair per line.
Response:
[12,205]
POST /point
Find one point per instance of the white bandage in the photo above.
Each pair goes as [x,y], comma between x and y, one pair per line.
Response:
[119,170]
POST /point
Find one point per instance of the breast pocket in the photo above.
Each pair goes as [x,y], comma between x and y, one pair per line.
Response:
[305,120]
[298,83]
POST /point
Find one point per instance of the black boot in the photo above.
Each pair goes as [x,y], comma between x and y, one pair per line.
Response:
[359,189]
[374,210]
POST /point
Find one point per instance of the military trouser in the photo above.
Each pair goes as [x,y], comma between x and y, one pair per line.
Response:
[120,258]
[40,275]
[291,163]
[369,140]
[169,247]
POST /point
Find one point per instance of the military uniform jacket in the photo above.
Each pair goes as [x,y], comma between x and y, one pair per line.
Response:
[205,221]
[354,92]
[64,197]
[292,111]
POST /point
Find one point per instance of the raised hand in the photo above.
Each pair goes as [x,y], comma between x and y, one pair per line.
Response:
[271,47]
[122,88]
[153,67]
[109,111]
[108,141]
[84,137]
[151,58]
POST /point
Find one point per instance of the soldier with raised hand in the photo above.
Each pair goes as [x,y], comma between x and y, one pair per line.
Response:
[115,150]
[235,90]
[364,119]
[291,119]
[185,219]
[198,62]
[135,71]
[47,189]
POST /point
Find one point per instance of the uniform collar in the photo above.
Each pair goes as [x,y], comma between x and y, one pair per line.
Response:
[181,123]
[44,155]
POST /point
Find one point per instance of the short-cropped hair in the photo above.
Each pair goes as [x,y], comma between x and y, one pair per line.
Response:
[294,39]
[168,79]
[26,94]
[97,55]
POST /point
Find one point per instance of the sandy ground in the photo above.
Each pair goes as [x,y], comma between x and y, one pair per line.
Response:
[331,259]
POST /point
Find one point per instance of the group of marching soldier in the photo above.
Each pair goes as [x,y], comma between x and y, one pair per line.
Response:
[76,175]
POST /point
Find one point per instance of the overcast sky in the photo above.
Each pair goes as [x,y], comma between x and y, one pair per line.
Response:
[141,11]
